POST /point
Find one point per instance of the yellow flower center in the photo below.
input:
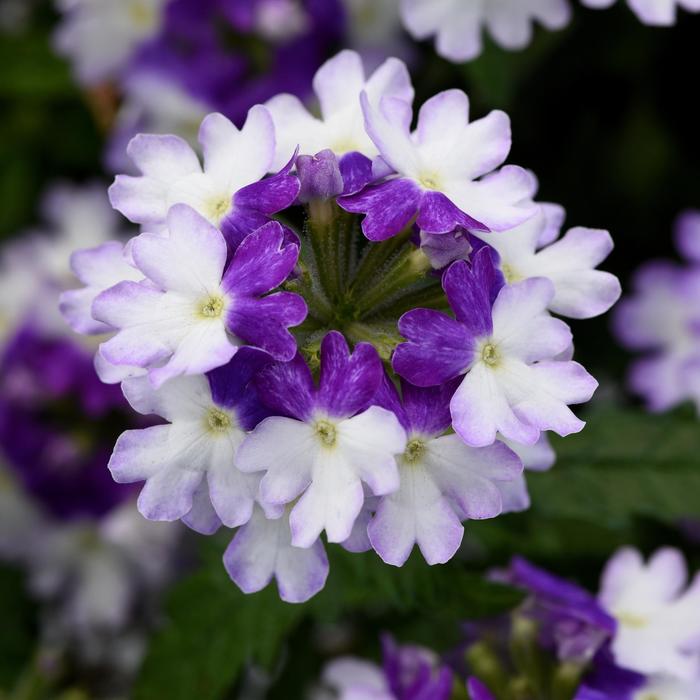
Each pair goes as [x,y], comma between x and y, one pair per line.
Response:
[510,274]
[490,355]
[213,307]
[414,451]
[218,421]
[217,207]
[632,620]
[326,432]
[430,181]
[142,15]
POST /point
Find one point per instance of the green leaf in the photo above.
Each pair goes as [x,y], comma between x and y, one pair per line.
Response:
[18,623]
[624,464]
[213,629]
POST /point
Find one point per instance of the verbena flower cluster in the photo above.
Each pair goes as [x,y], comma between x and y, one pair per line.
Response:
[346,325]
[662,319]
[636,640]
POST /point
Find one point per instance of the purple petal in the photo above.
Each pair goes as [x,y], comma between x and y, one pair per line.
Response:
[469,292]
[388,207]
[439,215]
[202,517]
[687,234]
[428,408]
[478,691]
[287,388]
[348,382]
[262,262]
[230,385]
[356,171]
[270,195]
[438,350]
[388,397]
[319,176]
[239,224]
[264,322]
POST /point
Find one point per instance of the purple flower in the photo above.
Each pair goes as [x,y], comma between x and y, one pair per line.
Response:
[571,621]
[507,346]
[442,480]
[438,169]
[607,681]
[325,441]
[189,464]
[194,309]
[319,175]
[66,474]
[229,191]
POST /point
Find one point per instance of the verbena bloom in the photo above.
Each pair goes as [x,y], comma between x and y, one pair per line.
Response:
[228,190]
[478,691]
[668,688]
[262,550]
[532,250]
[98,269]
[458,25]
[337,84]
[662,318]
[445,173]
[408,672]
[442,480]
[338,319]
[189,463]
[660,13]
[507,346]
[101,36]
[658,618]
[326,440]
[194,309]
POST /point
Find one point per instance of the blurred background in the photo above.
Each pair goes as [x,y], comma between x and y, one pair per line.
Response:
[604,112]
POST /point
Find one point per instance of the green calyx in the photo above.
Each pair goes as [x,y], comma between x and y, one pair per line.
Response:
[356,286]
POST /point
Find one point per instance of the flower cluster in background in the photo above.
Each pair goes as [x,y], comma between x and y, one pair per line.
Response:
[92,561]
[662,318]
[275,355]
[636,640]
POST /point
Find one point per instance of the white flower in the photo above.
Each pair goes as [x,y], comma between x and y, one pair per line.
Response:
[337,84]
[658,618]
[458,24]
[100,36]
[661,13]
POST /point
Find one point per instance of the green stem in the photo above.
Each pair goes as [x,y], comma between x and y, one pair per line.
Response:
[566,680]
[407,267]
[376,255]
[427,294]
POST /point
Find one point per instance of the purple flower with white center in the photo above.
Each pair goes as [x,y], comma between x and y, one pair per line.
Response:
[505,348]
[662,317]
[98,269]
[539,457]
[442,480]
[408,672]
[458,25]
[189,464]
[570,619]
[659,13]
[580,291]
[658,618]
[194,310]
[325,441]
[445,170]
[338,84]
[262,550]
[229,191]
